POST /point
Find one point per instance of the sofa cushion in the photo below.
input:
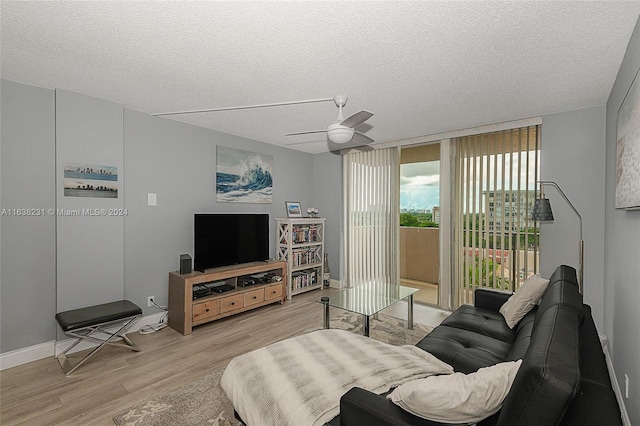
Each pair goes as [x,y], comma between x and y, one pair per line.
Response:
[481,321]
[524,299]
[564,273]
[464,350]
[549,375]
[524,330]
[563,289]
[458,397]
[491,299]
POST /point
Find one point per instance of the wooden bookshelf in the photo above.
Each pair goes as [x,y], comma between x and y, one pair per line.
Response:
[300,243]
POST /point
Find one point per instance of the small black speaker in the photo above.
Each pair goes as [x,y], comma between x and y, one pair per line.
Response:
[185,264]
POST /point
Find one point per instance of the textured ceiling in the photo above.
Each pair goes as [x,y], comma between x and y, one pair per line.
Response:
[421,67]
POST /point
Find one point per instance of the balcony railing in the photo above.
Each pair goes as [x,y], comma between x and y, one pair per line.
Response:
[420,260]
[420,254]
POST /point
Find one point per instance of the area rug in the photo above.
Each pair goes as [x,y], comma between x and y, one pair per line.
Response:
[203,402]
[386,328]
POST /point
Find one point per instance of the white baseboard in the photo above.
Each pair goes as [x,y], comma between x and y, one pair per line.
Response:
[614,380]
[336,284]
[53,348]
[24,355]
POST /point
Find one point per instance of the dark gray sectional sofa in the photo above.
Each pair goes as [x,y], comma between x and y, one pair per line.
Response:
[563,379]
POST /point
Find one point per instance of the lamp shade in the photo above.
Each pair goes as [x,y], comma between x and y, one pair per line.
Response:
[542,210]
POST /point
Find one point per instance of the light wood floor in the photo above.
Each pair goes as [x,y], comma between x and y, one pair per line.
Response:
[38,393]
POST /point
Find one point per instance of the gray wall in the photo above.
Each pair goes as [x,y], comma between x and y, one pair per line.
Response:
[48,267]
[178,162]
[327,198]
[28,262]
[622,250]
[90,254]
[573,156]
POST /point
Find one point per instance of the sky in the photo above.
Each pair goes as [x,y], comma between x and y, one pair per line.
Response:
[420,185]
[420,182]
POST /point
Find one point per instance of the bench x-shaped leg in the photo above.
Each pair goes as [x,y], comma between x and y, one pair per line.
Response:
[62,358]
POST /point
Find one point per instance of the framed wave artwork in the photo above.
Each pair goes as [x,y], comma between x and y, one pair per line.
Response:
[628,150]
[243,176]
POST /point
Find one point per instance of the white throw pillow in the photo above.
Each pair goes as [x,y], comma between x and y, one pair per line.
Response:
[458,397]
[524,299]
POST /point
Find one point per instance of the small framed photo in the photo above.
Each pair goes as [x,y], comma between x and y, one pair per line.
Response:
[293,208]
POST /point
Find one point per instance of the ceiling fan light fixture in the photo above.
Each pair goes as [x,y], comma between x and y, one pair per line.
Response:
[343,131]
[340,134]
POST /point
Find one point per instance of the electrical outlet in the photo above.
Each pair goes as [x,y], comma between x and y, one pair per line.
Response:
[151,300]
[626,386]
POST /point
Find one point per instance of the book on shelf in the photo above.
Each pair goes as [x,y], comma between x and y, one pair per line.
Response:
[306,255]
[305,234]
[302,279]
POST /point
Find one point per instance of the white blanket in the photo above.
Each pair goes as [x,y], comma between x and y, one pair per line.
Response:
[299,381]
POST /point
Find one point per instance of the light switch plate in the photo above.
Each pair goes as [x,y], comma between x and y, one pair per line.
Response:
[152,199]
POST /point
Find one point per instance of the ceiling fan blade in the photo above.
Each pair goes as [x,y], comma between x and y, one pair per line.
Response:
[357,119]
[361,138]
[303,143]
[306,133]
[355,143]
[197,111]
[342,150]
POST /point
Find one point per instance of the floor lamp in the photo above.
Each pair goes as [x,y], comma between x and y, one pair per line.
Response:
[542,213]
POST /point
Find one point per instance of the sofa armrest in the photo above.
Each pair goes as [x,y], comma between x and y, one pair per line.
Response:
[359,407]
[490,299]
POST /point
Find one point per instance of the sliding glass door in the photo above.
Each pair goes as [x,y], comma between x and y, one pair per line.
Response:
[445,217]
[420,221]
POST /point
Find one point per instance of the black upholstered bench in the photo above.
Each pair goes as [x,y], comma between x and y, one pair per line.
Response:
[83,323]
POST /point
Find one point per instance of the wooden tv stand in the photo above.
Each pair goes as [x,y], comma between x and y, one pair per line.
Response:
[185,312]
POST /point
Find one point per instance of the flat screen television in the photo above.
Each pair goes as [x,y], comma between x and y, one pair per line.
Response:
[222,239]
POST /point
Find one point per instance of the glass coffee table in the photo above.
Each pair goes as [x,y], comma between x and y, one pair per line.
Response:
[368,299]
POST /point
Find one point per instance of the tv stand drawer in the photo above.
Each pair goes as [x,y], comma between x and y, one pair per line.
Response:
[273,292]
[231,303]
[206,310]
[253,297]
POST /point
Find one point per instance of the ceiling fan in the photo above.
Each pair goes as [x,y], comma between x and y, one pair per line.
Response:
[342,131]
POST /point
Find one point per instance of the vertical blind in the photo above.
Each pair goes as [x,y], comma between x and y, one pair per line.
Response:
[495,242]
[372,204]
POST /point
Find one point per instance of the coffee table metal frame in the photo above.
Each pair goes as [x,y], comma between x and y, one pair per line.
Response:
[368,299]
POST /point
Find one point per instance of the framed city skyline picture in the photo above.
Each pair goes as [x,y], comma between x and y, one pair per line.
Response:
[90,180]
